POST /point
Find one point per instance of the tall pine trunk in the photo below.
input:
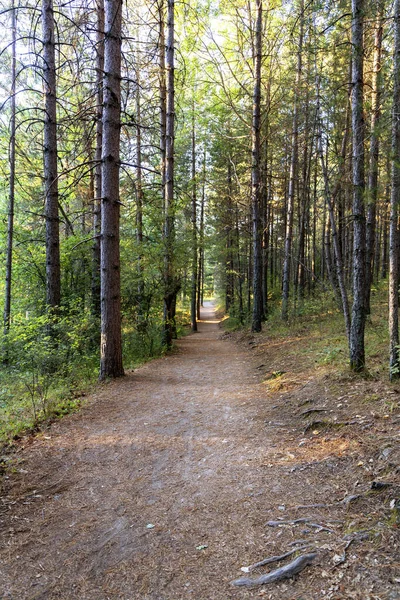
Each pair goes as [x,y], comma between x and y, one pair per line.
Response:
[141,324]
[163,95]
[193,299]
[96,308]
[256,324]
[357,350]
[53,277]
[373,157]
[170,285]
[394,362]
[111,339]
[10,220]
[200,272]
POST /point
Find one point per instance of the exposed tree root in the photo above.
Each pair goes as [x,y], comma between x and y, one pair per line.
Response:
[271,559]
[289,570]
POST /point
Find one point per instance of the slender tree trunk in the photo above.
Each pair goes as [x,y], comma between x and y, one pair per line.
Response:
[329,264]
[139,205]
[200,271]
[385,234]
[239,267]
[292,175]
[163,96]
[373,157]
[111,338]
[357,351]
[229,283]
[193,303]
[53,276]
[10,221]
[96,304]
[170,286]
[256,189]
[394,360]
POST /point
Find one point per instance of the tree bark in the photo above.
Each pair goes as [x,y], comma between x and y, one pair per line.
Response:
[139,204]
[193,302]
[96,304]
[11,203]
[256,324]
[357,350]
[394,362]
[53,276]
[200,272]
[163,95]
[170,284]
[373,157]
[111,338]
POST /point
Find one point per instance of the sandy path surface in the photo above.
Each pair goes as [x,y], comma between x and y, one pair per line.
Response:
[165,483]
[145,493]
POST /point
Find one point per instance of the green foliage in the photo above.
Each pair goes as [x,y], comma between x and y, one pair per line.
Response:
[46,359]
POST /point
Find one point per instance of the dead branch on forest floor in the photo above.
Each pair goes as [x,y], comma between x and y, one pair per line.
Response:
[289,570]
[272,559]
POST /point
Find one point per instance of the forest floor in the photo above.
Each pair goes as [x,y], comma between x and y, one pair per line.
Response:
[166,482]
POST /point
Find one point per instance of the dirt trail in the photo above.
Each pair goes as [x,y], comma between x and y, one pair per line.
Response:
[160,488]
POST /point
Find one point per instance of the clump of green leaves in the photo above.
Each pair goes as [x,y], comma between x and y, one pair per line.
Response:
[46,359]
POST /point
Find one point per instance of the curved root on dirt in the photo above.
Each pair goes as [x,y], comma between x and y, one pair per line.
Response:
[289,570]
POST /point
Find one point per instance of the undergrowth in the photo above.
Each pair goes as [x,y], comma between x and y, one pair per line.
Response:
[321,323]
[49,364]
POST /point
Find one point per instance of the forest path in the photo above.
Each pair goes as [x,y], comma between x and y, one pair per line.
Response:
[174,445]
[161,486]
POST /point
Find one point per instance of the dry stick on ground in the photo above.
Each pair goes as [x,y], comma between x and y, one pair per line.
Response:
[313,410]
[343,556]
[298,521]
[285,572]
[272,559]
[290,522]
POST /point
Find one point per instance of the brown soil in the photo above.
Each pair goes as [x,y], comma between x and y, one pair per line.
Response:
[162,486]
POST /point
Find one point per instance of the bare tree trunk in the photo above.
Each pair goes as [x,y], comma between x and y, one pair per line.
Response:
[385,235]
[10,221]
[163,95]
[239,267]
[193,304]
[53,277]
[111,338]
[139,205]
[373,157]
[229,282]
[200,272]
[170,284]
[394,362]
[292,175]
[256,324]
[357,350]
[96,305]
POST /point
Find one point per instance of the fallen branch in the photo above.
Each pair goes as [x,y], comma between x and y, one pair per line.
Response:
[285,572]
[305,520]
[271,559]
[321,527]
[343,557]
[290,522]
[304,506]
[313,410]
